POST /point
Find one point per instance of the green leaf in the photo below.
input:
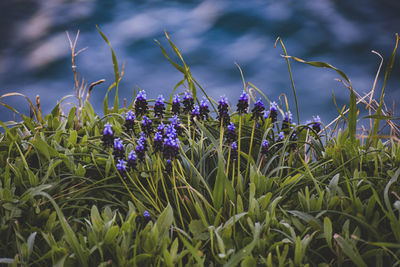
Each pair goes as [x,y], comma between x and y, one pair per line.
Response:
[73,137]
[111,234]
[241,254]
[70,237]
[328,232]
[350,250]
[30,242]
[165,220]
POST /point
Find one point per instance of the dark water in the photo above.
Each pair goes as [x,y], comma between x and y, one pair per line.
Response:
[212,35]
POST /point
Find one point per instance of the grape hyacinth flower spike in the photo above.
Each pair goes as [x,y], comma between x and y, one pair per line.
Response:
[176,105]
[243,103]
[234,151]
[118,148]
[281,136]
[204,110]
[121,167]
[159,107]
[160,128]
[195,113]
[132,160]
[264,147]
[188,103]
[108,135]
[287,120]
[158,142]
[130,120]
[231,133]
[141,147]
[147,126]
[141,103]
[146,216]
[258,110]
[316,124]
[175,122]
[223,115]
[273,112]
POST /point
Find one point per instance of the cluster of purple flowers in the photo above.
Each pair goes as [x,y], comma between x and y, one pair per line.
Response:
[264,147]
[272,113]
[258,110]
[171,142]
[147,126]
[243,103]
[159,107]
[165,138]
[204,110]
[231,133]
[223,112]
[119,150]
[141,103]
[176,105]
[287,121]
[315,123]
[132,160]
[108,135]
[195,113]
[188,102]
[141,147]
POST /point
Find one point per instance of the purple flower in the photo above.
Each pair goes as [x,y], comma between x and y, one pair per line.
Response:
[195,112]
[118,148]
[170,131]
[177,125]
[130,120]
[158,142]
[258,110]
[188,102]
[204,110]
[223,112]
[273,112]
[108,135]
[287,120]
[231,133]
[264,147]
[141,147]
[147,126]
[121,166]
[132,160]
[234,151]
[316,124]
[171,147]
[266,114]
[243,103]
[146,216]
[176,105]
[281,136]
[161,128]
[159,107]
[141,103]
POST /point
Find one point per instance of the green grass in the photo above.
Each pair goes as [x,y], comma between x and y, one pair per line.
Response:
[321,199]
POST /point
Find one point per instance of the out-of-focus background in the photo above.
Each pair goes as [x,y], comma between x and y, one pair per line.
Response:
[212,35]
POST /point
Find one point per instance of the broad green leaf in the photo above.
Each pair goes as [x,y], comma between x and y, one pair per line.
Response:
[350,250]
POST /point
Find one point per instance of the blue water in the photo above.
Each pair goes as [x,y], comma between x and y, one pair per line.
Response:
[212,36]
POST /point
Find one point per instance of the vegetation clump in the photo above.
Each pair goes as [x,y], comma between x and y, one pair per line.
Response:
[195,183]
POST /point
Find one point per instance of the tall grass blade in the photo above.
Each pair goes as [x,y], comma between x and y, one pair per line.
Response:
[352,119]
[291,77]
[116,69]
[389,68]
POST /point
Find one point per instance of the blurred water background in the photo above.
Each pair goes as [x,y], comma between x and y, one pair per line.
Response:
[212,35]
